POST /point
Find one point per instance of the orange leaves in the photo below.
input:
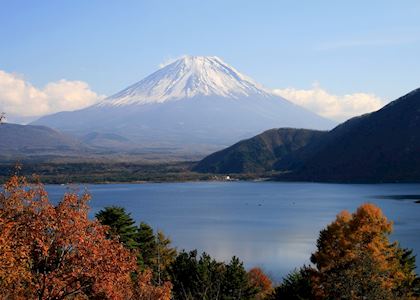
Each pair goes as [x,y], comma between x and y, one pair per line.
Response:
[12,257]
[143,289]
[354,256]
[56,252]
[260,281]
[366,230]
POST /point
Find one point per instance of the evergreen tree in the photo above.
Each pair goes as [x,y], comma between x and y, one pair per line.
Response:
[155,252]
[211,274]
[411,284]
[236,284]
[147,245]
[120,223]
[197,278]
[295,286]
[205,278]
[184,277]
[164,257]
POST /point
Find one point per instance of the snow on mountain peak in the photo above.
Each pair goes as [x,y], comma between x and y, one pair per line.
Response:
[188,77]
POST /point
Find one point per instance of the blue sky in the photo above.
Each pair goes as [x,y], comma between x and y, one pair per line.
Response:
[343,46]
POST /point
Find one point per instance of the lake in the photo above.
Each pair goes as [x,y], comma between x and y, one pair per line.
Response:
[267,224]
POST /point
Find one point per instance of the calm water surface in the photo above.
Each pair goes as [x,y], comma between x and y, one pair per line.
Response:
[267,224]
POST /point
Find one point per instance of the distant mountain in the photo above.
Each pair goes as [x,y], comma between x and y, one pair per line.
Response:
[194,103]
[33,140]
[260,153]
[382,146]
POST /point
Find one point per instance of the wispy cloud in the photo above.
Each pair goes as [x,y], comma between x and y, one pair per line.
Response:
[336,107]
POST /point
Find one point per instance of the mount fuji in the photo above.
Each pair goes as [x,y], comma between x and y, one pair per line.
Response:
[197,102]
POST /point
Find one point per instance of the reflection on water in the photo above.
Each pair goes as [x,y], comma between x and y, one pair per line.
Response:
[266,224]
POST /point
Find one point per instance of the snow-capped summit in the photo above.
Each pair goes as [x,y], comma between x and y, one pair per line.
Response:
[197,104]
[188,77]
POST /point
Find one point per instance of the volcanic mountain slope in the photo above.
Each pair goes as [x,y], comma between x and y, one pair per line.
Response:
[260,153]
[195,101]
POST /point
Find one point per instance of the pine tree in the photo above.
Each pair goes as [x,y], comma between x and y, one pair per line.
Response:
[196,277]
[236,285]
[147,245]
[120,224]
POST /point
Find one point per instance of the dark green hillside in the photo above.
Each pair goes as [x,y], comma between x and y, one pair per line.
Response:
[381,146]
[258,154]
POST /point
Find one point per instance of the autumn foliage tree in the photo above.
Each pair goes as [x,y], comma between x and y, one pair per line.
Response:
[356,260]
[143,287]
[56,252]
[261,283]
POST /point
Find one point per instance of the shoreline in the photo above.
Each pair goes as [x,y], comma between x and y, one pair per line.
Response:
[139,173]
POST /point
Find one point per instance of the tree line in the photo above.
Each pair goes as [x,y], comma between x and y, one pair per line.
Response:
[56,252]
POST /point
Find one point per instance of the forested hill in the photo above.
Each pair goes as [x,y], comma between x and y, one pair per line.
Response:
[260,153]
[380,146]
[383,146]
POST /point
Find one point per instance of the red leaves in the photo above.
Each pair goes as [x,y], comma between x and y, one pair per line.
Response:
[54,252]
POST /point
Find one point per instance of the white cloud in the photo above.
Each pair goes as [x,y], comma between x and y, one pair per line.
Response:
[336,107]
[20,98]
